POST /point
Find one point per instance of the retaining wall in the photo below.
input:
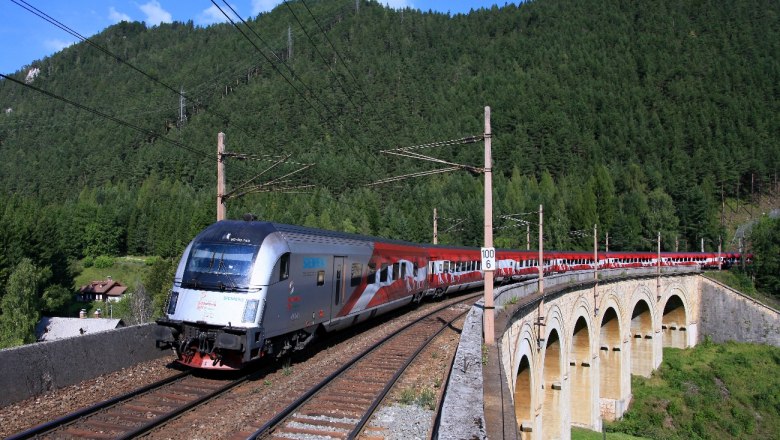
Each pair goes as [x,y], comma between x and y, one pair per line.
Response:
[727,315]
[33,369]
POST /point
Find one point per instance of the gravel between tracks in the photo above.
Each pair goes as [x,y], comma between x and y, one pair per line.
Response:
[242,407]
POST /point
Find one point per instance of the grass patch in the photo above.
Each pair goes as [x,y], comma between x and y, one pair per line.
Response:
[425,397]
[127,270]
[711,391]
[585,434]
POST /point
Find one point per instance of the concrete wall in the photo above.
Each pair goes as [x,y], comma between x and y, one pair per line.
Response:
[727,315]
[36,368]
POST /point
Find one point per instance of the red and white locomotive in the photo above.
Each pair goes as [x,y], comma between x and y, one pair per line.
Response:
[245,290]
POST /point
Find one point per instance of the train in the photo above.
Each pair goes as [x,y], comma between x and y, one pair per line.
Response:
[248,290]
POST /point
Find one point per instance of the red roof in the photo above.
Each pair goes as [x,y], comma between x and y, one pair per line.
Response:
[104,287]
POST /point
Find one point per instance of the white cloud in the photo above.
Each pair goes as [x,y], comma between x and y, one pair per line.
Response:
[155,14]
[56,45]
[214,15]
[116,16]
[259,6]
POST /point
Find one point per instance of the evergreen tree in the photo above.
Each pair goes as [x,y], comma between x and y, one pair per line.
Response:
[19,305]
[765,245]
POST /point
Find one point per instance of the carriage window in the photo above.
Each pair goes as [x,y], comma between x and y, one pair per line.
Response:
[284,267]
[403,270]
[370,275]
[321,278]
[383,273]
[446,266]
[396,271]
[357,272]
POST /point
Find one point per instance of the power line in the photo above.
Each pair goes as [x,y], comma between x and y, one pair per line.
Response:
[338,55]
[349,98]
[32,9]
[109,117]
[331,116]
[411,153]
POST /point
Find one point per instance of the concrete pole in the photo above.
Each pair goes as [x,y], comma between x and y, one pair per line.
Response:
[220,176]
[741,254]
[720,245]
[487,321]
[541,249]
[658,268]
[528,236]
[540,310]
[595,252]
[606,242]
[435,227]
[595,270]
[702,245]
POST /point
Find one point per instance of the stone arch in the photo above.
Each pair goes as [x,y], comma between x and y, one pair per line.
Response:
[610,359]
[581,370]
[642,332]
[525,382]
[552,385]
[523,391]
[674,322]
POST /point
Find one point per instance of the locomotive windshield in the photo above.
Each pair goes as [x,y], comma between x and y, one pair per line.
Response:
[219,266]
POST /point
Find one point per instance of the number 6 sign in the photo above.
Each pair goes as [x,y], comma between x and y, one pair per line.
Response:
[488,259]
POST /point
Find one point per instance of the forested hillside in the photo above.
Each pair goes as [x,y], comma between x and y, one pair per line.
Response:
[636,116]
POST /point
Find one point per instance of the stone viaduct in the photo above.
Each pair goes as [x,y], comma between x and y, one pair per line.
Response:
[566,358]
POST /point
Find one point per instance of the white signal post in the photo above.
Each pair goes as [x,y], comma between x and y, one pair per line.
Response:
[488,317]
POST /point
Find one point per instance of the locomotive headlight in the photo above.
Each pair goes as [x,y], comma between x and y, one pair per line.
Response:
[172,302]
[250,310]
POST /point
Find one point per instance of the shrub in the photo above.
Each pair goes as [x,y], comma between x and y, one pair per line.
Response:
[104,262]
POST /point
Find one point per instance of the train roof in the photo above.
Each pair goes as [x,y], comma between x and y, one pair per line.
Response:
[254,232]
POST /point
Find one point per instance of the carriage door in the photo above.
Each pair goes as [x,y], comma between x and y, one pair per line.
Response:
[339,279]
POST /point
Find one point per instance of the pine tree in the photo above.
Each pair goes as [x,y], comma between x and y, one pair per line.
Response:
[19,305]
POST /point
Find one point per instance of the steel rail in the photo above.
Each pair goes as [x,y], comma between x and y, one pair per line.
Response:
[157,421]
[82,413]
[378,400]
[298,403]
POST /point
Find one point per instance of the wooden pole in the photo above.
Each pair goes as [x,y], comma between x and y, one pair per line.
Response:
[220,176]
[488,324]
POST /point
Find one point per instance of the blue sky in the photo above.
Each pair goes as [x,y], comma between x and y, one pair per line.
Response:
[24,37]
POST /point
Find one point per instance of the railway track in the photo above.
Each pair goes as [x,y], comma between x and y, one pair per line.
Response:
[341,405]
[135,413]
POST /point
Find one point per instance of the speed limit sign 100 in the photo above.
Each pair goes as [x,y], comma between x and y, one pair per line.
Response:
[488,259]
